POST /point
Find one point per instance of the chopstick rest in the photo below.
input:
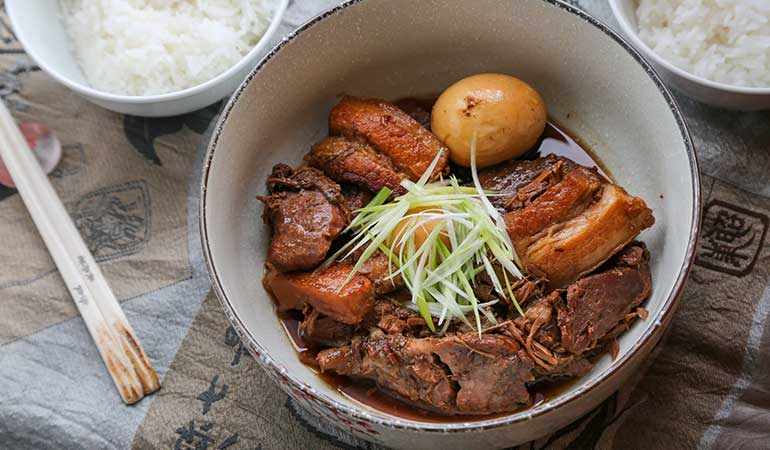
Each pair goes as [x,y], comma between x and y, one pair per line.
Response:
[105,320]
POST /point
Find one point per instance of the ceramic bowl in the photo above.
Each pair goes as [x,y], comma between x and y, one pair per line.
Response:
[593,82]
[38,26]
[699,88]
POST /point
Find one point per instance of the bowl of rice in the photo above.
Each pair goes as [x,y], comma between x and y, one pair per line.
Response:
[715,51]
[147,57]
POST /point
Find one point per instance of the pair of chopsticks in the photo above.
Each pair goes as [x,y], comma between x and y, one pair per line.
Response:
[120,349]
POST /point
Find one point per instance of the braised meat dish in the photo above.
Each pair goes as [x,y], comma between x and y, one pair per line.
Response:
[457,290]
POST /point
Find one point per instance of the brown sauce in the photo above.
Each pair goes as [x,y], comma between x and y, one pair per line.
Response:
[555,140]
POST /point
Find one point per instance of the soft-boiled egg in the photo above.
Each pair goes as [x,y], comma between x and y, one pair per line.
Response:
[506,114]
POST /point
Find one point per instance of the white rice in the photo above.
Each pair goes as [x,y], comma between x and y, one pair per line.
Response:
[722,40]
[145,47]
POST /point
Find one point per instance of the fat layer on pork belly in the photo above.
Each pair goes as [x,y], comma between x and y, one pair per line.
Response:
[575,225]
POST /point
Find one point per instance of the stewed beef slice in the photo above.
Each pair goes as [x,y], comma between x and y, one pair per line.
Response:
[391,131]
[355,197]
[462,374]
[306,211]
[325,290]
[319,329]
[492,371]
[596,304]
[354,161]
[402,365]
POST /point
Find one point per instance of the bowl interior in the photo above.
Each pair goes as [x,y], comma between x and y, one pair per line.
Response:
[396,48]
[39,24]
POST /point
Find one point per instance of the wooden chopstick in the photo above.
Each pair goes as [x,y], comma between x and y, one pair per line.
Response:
[106,322]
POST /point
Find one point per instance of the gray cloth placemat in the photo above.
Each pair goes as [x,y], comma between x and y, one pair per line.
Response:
[132,186]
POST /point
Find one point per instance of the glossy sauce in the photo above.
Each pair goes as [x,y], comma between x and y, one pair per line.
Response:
[555,140]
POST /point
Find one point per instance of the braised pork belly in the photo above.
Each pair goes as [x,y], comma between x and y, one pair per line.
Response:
[584,276]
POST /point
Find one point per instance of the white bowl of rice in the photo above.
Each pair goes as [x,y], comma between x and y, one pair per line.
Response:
[715,51]
[147,57]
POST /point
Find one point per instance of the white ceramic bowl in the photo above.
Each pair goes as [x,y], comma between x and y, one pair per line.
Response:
[39,28]
[699,88]
[594,84]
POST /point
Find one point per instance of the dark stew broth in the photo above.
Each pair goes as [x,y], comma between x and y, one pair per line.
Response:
[555,140]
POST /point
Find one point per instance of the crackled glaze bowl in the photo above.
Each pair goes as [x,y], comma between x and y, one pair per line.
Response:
[594,84]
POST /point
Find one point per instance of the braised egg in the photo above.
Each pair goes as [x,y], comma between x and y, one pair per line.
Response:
[506,114]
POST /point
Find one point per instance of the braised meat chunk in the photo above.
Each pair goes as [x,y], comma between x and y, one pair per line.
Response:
[390,130]
[574,226]
[464,374]
[434,316]
[322,330]
[325,291]
[356,162]
[581,244]
[402,365]
[598,303]
[558,203]
[492,372]
[510,177]
[305,209]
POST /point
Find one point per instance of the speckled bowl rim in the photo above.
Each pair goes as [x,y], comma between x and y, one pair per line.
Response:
[659,323]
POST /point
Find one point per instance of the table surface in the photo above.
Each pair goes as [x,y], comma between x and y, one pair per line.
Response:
[131,185]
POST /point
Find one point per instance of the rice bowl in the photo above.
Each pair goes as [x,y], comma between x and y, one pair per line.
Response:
[711,92]
[727,41]
[40,29]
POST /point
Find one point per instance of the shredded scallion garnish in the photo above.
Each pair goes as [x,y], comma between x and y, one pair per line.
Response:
[439,237]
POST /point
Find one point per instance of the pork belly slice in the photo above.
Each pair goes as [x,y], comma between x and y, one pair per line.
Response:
[461,374]
[390,130]
[306,211]
[321,290]
[558,203]
[565,251]
[510,177]
[356,162]
[597,304]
